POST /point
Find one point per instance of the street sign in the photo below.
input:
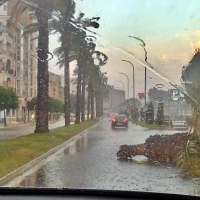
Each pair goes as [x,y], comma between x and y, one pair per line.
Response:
[174,95]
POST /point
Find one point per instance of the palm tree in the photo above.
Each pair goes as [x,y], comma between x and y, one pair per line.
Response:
[88,61]
[96,81]
[97,88]
[70,43]
[42,74]
[43,12]
[102,80]
[62,26]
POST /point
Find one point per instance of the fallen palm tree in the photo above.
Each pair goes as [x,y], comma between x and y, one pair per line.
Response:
[160,148]
[182,149]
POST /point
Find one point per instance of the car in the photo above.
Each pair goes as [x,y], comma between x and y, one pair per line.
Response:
[119,121]
[72,118]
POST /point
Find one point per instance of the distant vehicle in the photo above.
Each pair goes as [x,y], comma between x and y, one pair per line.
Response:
[119,121]
[72,118]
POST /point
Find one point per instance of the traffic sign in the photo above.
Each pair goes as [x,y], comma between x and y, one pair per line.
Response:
[174,95]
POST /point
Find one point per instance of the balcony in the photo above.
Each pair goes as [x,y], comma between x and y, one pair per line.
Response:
[2,51]
[11,72]
[10,34]
[11,54]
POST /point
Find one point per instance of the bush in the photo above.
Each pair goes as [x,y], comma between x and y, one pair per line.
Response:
[160,114]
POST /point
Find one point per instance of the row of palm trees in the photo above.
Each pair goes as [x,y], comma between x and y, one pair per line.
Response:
[57,16]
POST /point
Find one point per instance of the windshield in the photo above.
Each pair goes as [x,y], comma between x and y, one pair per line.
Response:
[68,67]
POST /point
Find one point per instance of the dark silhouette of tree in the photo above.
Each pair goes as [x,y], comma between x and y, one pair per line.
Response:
[160,114]
[150,113]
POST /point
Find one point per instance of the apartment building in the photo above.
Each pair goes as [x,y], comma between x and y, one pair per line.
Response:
[56,89]
[18,63]
[115,98]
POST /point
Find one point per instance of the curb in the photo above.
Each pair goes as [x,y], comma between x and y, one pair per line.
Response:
[9,177]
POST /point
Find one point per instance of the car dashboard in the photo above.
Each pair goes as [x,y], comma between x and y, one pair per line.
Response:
[53,193]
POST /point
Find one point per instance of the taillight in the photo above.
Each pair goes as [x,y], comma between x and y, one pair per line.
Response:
[125,120]
[113,120]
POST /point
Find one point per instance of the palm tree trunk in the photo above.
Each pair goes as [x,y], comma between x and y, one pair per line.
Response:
[97,107]
[66,44]
[78,94]
[83,100]
[42,74]
[4,117]
[89,102]
[196,122]
[101,107]
[92,102]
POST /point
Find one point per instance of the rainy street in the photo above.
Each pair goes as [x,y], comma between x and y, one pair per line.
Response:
[91,162]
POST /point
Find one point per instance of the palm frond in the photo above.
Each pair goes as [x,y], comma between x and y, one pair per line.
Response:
[2,2]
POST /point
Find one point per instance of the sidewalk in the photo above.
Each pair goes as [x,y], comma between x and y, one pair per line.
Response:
[21,129]
[19,124]
[22,124]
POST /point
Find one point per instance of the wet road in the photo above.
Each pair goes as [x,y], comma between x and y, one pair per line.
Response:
[90,162]
[14,132]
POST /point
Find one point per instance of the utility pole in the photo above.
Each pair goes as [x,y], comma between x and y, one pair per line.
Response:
[145,85]
[133,76]
[128,93]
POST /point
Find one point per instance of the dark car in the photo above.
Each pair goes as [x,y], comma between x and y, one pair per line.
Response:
[119,121]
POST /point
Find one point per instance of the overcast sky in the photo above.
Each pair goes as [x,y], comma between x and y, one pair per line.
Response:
[170,29]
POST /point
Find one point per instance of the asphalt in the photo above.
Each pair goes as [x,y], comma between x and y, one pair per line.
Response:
[91,162]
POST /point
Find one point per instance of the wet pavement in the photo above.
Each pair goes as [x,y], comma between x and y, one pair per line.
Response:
[26,129]
[91,162]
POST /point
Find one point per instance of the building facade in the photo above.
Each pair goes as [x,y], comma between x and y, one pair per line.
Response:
[18,63]
[115,98]
[56,89]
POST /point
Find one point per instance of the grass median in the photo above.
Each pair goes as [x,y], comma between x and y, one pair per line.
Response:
[17,152]
[153,126]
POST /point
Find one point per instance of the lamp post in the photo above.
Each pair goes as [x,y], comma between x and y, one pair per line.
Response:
[128,82]
[121,83]
[145,85]
[133,76]
[128,90]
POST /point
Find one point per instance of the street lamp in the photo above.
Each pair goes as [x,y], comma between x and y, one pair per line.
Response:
[128,91]
[121,83]
[128,82]
[133,76]
[145,70]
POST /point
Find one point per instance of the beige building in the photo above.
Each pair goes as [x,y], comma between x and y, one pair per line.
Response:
[18,63]
[56,89]
[114,99]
